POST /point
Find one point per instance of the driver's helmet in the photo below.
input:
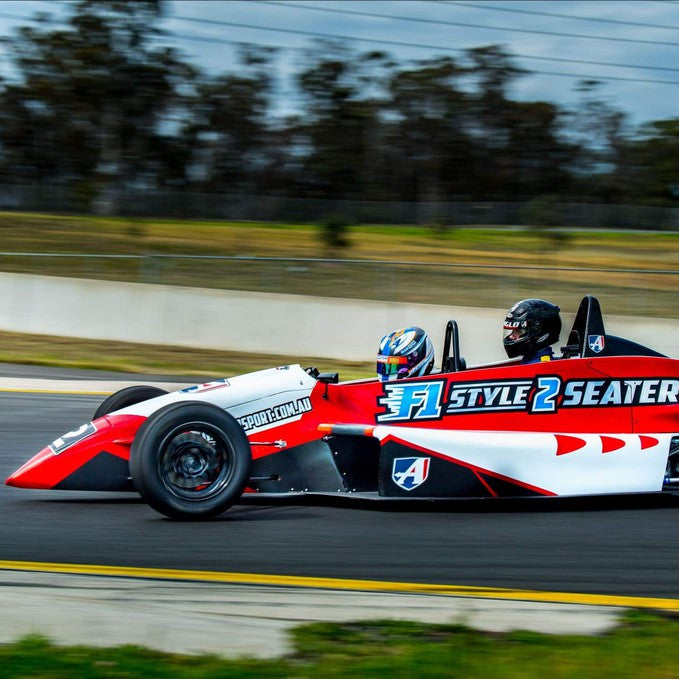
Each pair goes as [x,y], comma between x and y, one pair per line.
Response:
[531,325]
[405,353]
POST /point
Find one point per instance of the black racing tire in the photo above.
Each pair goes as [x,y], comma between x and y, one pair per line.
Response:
[127,397]
[190,461]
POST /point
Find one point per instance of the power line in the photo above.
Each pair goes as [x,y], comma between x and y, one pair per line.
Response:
[499,8]
[387,42]
[22,18]
[403,44]
[399,44]
[462,24]
[435,47]
[414,45]
[608,77]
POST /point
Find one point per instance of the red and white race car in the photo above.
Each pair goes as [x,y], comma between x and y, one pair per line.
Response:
[603,420]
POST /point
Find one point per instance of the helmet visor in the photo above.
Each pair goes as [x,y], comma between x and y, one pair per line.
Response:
[514,331]
[391,367]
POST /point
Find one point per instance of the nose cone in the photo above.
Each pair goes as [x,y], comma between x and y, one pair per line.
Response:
[38,472]
[71,461]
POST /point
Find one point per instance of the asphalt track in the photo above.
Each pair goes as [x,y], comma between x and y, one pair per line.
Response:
[618,546]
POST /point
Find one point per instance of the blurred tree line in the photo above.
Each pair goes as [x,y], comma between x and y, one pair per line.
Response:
[96,108]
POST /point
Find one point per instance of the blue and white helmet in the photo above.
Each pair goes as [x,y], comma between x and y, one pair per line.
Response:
[405,353]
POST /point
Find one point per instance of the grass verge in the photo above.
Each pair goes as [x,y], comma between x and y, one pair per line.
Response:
[23,232]
[68,352]
[643,645]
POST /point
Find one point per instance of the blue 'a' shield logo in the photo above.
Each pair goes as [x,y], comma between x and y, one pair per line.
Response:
[410,472]
[596,343]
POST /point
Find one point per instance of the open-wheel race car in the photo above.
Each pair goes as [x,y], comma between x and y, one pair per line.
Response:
[602,420]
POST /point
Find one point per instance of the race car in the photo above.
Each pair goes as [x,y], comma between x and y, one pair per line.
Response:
[602,420]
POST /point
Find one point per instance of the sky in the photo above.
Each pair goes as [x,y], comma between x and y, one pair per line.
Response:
[631,46]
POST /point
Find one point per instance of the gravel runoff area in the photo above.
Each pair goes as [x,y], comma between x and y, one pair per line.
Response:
[244,620]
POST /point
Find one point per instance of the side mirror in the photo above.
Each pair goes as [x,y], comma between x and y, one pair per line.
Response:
[327,378]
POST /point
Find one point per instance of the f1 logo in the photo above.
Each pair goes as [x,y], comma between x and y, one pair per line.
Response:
[410,472]
[406,401]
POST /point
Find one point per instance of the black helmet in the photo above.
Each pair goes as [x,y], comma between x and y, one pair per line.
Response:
[531,325]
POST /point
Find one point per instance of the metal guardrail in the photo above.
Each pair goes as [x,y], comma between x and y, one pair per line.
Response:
[627,291]
[324,260]
[268,208]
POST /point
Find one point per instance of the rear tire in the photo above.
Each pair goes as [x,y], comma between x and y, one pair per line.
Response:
[127,397]
[190,460]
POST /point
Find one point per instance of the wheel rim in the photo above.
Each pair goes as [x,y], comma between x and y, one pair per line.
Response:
[196,461]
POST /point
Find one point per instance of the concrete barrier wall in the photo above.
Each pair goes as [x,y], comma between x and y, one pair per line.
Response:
[262,323]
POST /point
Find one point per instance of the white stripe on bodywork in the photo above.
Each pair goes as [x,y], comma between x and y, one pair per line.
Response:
[531,458]
[241,395]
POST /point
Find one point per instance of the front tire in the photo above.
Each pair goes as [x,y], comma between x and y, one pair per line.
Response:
[190,460]
[128,396]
